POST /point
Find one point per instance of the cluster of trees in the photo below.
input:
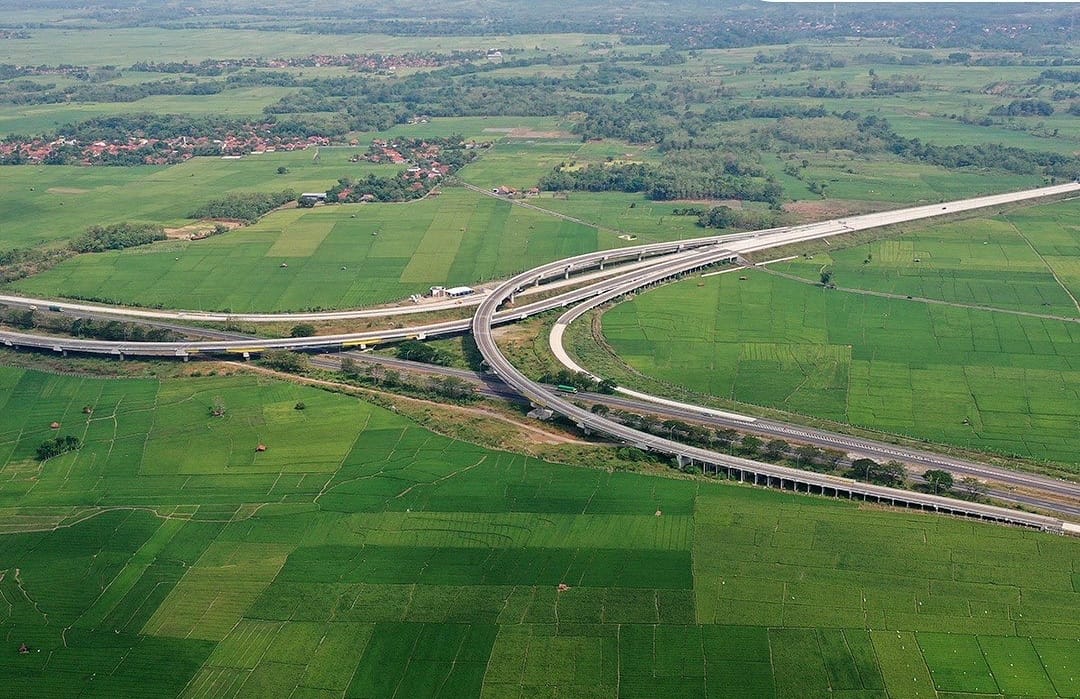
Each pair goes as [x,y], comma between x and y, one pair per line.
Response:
[27,92]
[285,360]
[58,445]
[374,187]
[120,128]
[417,351]
[801,58]
[1024,108]
[244,206]
[1059,75]
[725,217]
[682,178]
[17,263]
[448,387]
[894,84]
[117,236]
[85,327]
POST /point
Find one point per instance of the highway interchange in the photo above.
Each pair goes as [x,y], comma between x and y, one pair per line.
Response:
[651,264]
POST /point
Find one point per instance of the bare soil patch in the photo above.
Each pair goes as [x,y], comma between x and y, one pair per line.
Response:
[200,229]
[66,190]
[821,210]
[531,133]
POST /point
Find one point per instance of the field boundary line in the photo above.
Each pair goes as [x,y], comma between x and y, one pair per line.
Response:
[936,302]
[1042,259]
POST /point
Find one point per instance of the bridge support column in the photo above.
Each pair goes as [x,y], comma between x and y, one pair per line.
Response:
[566,273]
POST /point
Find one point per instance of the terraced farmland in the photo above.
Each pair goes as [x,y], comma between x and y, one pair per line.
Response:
[168,557]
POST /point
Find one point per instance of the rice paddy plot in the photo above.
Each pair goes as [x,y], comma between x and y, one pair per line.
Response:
[896,182]
[1026,260]
[50,203]
[410,564]
[998,382]
[334,257]
[517,163]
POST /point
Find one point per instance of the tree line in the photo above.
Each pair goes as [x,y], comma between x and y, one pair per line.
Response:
[244,206]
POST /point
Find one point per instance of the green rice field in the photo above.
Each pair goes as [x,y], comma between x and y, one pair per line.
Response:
[981,379]
[1027,259]
[336,256]
[48,203]
[363,556]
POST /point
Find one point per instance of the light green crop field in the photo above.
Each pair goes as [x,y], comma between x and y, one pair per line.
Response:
[48,118]
[481,128]
[892,182]
[49,203]
[518,164]
[1028,259]
[336,256]
[123,46]
[362,556]
[982,379]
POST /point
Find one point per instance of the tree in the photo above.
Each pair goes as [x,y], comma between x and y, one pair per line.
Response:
[284,360]
[55,447]
[348,368]
[833,457]
[24,320]
[302,330]
[939,481]
[454,388]
[892,473]
[282,170]
[600,409]
[217,408]
[417,351]
[775,449]
[807,455]
[750,444]
[606,386]
[826,277]
[726,436]
[864,468]
[973,488]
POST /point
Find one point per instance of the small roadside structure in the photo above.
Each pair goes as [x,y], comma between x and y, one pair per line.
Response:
[55,425]
[453,292]
[540,414]
[261,447]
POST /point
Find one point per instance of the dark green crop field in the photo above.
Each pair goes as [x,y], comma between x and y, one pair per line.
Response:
[362,556]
